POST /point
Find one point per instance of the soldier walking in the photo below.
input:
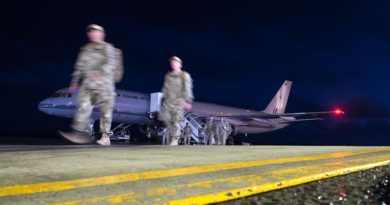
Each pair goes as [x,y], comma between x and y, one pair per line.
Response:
[164,136]
[177,91]
[210,131]
[223,130]
[202,134]
[187,134]
[97,69]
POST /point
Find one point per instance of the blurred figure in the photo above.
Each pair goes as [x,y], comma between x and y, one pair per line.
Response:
[181,139]
[223,130]
[210,131]
[177,91]
[187,134]
[164,136]
[202,134]
[98,68]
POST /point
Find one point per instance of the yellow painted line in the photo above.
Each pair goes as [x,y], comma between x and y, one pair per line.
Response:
[310,169]
[256,189]
[306,171]
[132,197]
[129,177]
[115,199]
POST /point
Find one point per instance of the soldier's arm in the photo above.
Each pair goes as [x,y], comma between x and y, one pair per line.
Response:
[118,75]
[189,97]
[164,88]
[77,74]
[110,62]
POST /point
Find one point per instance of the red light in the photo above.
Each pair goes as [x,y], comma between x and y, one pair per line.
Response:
[338,111]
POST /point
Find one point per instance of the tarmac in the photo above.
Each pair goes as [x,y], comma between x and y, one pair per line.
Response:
[359,188]
[154,174]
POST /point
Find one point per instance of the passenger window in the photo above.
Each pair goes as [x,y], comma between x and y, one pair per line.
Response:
[62,95]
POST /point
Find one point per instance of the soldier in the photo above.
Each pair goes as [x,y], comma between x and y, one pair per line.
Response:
[177,91]
[187,134]
[202,134]
[98,67]
[215,132]
[164,136]
[210,131]
[223,130]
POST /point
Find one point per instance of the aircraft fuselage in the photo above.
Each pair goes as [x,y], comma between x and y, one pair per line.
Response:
[133,108]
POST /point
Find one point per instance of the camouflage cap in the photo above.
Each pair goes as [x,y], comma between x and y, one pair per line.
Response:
[95,27]
[175,58]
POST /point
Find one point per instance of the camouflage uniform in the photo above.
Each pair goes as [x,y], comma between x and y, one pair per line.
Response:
[177,90]
[187,134]
[95,67]
[223,130]
[210,132]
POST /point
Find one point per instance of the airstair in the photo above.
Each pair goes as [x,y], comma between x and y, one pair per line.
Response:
[121,132]
[191,118]
[195,124]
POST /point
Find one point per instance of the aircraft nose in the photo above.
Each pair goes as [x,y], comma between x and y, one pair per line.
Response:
[44,106]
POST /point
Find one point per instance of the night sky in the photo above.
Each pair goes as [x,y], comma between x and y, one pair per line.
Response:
[337,53]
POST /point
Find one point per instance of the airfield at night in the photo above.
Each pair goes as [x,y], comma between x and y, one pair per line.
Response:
[301,85]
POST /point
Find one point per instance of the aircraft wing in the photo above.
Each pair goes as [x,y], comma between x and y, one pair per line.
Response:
[302,114]
[293,120]
[289,117]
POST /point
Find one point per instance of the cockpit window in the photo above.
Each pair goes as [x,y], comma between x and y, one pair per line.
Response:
[62,95]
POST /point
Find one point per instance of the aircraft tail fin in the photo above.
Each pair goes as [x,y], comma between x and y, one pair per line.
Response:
[279,102]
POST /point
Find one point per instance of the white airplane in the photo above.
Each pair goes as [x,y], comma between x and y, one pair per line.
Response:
[142,109]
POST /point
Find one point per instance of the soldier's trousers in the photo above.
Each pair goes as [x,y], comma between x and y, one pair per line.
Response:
[171,115]
[222,136]
[86,100]
[202,138]
[173,130]
[209,138]
[187,139]
[164,140]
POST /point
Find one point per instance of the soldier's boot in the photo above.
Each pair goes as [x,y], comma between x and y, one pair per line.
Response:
[76,137]
[175,141]
[105,140]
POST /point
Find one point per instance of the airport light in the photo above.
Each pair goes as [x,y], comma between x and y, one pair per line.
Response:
[338,112]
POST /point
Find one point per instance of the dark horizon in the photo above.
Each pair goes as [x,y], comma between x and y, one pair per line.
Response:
[337,53]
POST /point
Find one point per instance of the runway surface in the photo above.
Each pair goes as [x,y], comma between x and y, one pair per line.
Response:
[364,187]
[153,174]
